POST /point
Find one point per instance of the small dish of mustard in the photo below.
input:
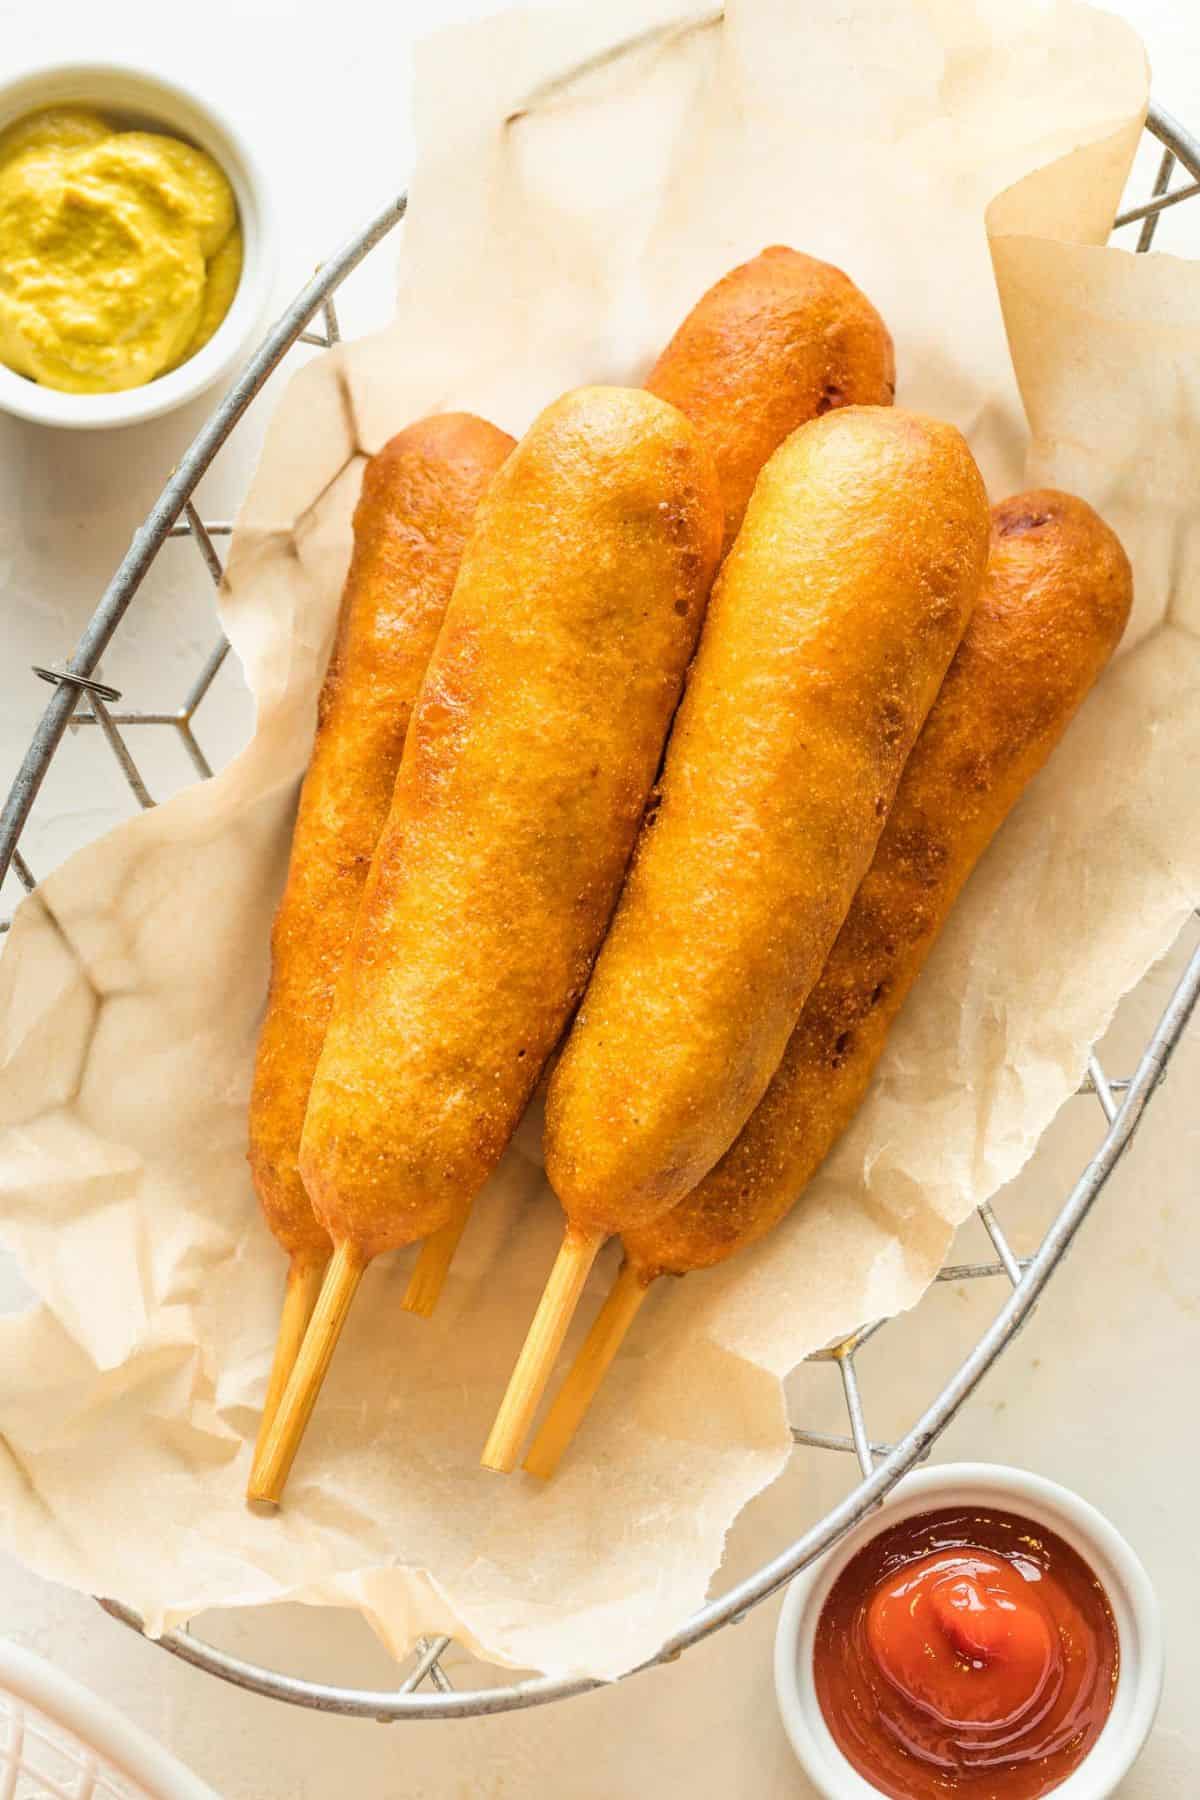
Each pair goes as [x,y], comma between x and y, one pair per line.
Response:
[135,256]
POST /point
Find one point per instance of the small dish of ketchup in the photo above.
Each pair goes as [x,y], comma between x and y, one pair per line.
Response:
[985,1635]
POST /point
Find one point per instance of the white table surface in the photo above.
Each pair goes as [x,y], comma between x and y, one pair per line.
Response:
[1095,1393]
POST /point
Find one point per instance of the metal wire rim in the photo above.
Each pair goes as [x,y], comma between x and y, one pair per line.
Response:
[174,515]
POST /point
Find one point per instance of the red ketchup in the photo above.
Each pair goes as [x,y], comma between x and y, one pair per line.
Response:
[966,1653]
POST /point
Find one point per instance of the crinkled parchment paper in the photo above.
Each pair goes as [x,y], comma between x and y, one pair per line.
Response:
[552,242]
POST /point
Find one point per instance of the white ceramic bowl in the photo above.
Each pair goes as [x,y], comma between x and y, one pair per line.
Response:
[1133,1602]
[153,102]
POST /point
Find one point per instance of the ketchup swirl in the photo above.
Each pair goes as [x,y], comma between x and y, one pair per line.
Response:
[966,1653]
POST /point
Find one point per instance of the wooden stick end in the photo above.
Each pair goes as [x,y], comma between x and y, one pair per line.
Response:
[277,1449]
[304,1278]
[432,1266]
[533,1368]
[586,1373]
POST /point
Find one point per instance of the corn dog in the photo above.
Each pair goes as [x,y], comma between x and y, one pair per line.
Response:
[418,496]
[532,748]
[832,625]
[1054,604]
[776,342]
[773,344]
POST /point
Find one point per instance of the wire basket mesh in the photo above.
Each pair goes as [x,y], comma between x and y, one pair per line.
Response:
[42,1761]
[39,1760]
[60,1742]
[84,702]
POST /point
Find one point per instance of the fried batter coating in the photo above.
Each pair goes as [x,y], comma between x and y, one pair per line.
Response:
[533,746]
[1054,604]
[829,632]
[419,495]
[778,341]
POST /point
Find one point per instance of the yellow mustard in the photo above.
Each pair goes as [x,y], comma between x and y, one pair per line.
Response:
[120,251]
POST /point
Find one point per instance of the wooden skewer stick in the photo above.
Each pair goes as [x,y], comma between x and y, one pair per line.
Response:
[432,1266]
[527,1383]
[304,1279]
[273,1461]
[587,1372]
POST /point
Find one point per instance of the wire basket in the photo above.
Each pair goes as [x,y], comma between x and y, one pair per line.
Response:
[82,701]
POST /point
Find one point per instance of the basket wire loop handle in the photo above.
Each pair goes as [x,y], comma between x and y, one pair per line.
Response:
[59,677]
[882,1464]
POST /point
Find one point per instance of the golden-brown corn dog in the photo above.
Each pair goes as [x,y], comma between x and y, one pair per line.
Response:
[830,629]
[1053,606]
[829,634]
[418,496]
[532,748]
[776,342]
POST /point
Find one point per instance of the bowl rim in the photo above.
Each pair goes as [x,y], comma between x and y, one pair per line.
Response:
[97,1724]
[180,110]
[1130,1593]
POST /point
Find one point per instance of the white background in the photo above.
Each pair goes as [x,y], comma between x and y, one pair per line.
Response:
[1098,1392]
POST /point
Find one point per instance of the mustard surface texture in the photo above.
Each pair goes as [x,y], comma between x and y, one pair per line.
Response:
[120,251]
